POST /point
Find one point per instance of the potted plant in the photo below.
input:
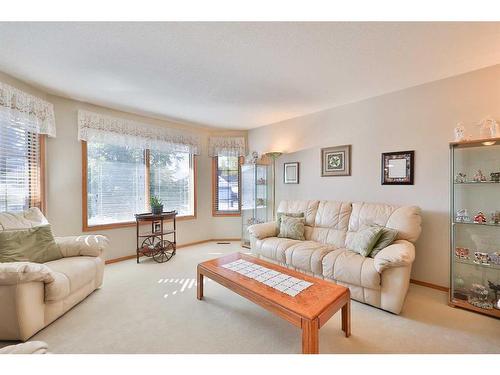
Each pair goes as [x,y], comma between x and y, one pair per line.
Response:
[156,205]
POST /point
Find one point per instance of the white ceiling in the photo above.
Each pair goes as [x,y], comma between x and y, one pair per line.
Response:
[239,75]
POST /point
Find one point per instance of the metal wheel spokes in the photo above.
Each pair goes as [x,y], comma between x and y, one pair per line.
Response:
[166,251]
[151,246]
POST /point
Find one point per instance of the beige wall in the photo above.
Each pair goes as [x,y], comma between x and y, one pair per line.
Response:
[64,179]
[421,119]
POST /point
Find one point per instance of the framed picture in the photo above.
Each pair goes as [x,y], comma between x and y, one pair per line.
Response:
[397,168]
[291,173]
[336,161]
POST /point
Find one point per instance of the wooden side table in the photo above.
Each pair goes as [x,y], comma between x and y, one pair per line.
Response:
[154,243]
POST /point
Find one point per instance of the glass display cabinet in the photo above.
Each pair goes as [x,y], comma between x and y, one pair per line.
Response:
[475,226]
[255,180]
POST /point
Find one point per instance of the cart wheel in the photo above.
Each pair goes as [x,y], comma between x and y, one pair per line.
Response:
[151,246]
[166,252]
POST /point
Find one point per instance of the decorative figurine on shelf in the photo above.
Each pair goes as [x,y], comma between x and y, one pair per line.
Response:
[495,217]
[261,181]
[462,216]
[496,289]
[495,176]
[459,133]
[479,176]
[481,258]
[462,253]
[479,297]
[489,128]
[460,178]
[253,157]
[480,218]
[495,258]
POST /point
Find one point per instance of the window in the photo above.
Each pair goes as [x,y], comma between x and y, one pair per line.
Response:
[226,185]
[119,181]
[21,168]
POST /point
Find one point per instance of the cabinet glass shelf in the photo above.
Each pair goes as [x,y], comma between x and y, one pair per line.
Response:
[475,286]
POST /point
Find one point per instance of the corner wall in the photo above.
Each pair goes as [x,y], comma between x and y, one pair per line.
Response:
[421,118]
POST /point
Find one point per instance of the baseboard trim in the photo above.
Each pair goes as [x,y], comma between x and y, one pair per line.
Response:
[127,257]
[430,285]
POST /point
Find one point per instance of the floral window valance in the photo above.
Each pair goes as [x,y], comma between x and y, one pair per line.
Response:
[27,111]
[95,127]
[230,146]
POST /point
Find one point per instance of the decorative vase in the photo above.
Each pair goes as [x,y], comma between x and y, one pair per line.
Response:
[157,210]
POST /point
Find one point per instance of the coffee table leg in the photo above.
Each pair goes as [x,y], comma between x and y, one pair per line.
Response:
[346,318]
[310,336]
[199,290]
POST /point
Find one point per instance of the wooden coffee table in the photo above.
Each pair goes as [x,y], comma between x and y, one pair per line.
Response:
[309,310]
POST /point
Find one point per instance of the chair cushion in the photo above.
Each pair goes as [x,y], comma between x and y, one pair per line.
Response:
[71,274]
[352,268]
[307,256]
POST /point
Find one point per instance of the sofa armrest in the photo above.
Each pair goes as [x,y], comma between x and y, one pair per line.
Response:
[12,273]
[263,230]
[30,347]
[90,245]
[399,253]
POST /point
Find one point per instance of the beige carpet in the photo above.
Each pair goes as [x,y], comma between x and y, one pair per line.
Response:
[152,308]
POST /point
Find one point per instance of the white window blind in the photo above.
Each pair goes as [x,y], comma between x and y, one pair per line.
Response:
[227,184]
[19,168]
[116,184]
[172,179]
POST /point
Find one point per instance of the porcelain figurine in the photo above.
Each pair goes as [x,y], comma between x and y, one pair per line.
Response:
[479,176]
[481,258]
[495,258]
[495,176]
[459,133]
[462,253]
[489,128]
[480,218]
[496,290]
[495,217]
[479,297]
[460,178]
[462,216]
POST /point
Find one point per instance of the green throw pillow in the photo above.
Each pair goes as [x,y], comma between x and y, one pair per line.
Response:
[386,238]
[292,227]
[35,244]
[279,215]
[365,239]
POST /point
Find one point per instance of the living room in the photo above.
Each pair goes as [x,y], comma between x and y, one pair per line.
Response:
[250,187]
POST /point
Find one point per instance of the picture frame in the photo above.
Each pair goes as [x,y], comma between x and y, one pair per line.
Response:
[336,161]
[398,168]
[291,173]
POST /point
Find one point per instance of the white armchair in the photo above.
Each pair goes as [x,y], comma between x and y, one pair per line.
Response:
[33,295]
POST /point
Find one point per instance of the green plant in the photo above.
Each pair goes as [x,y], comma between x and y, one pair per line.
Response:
[155,201]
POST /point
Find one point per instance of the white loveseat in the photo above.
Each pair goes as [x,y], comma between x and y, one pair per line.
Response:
[33,295]
[381,281]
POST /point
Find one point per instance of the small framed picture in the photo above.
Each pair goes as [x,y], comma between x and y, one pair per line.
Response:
[291,173]
[336,161]
[156,227]
[397,168]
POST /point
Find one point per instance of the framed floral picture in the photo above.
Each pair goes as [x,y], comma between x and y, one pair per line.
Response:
[291,173]
[336,161]
[397,168]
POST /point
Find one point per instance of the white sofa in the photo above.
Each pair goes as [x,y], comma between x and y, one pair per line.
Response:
[33,295]
[381,281]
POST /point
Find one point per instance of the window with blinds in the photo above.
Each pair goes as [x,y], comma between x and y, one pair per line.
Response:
[20,168]
[121,179]
[226,185]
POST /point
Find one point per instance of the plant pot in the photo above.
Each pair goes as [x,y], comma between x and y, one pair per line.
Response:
[157,210]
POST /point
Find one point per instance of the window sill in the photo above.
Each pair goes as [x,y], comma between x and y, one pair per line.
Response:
[128,224]
[226,214]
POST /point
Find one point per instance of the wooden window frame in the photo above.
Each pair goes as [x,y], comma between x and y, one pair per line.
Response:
[92,228]
[215,167]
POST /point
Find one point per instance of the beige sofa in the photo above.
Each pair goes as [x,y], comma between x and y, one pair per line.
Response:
[32,295]
[381,281]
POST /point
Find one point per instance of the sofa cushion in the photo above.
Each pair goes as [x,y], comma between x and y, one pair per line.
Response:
[292,227]
[279,216]
[309,208]
[387,237]
[274,247]
[352,268]
[332,214]
[364,240]
[32,217]
[307,256]
[77,271]
[29,245]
